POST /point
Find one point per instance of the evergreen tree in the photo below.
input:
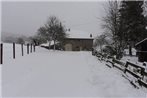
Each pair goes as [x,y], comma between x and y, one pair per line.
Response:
[132,22]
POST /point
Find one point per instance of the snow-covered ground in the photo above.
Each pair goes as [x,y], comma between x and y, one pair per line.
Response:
[8,56]
[64,74]
[133,59]
[8,51]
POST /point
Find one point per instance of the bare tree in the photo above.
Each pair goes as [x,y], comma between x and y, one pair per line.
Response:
[111,19]
[44,34]
[101,41]
[20,40]
[112,26]
[145,7]
[53,30]
[145,10]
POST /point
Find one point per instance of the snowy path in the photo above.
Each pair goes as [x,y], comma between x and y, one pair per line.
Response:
[63,74]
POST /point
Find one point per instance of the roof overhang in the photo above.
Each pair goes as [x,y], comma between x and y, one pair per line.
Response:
[80,38]
[137,44]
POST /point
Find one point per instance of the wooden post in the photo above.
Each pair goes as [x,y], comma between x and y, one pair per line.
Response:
[31,48]
[1,53]
[13,50]
[27,48]
[22,49]
[34,48]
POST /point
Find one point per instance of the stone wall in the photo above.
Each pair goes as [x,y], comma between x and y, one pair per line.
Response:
[78,44]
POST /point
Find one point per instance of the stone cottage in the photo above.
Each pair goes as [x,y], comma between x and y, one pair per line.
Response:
[78,41]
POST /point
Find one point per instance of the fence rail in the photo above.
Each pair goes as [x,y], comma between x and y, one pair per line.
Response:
[139,72]
[14,48]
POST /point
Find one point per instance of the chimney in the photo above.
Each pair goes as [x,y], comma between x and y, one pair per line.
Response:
[91,35]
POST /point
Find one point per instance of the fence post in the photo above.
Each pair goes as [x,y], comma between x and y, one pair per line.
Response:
[1,53]
[126,65]
[31,48]
[13,50]
[34,48]
[22,49]
[143,70]
[27,48]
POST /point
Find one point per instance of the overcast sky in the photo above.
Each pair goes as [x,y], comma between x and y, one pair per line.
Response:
[26,17]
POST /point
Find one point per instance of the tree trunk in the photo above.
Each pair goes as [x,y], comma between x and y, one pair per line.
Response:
[101,48]
[54,45]
[49,44]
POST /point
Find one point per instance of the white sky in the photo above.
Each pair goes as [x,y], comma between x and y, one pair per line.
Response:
[27,16]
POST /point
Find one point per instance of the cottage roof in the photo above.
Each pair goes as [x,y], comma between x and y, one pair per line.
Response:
[141,42]
[47,44]
[79,34]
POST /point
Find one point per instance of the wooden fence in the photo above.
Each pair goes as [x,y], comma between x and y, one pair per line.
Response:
[129,69]
[30,49]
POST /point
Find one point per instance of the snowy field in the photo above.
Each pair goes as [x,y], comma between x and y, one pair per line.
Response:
[8,51]
[8,56]
[63,74]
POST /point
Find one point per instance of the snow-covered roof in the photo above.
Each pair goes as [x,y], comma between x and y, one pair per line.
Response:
[140,42]
[79,34]
[47,44]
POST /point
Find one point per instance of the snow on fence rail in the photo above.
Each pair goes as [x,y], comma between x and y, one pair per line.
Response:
[135,73]
[8,51]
